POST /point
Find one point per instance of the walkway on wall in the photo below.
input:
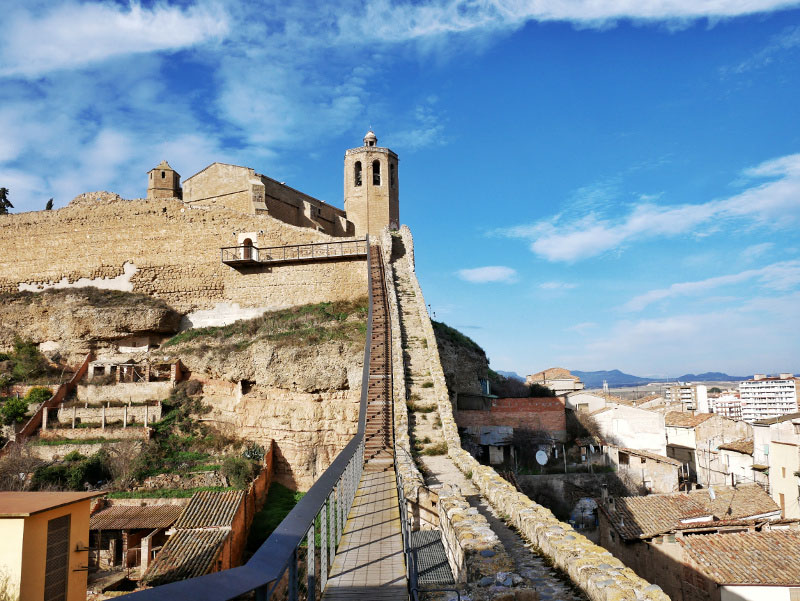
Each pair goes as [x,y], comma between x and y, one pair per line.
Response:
[248,255]
[369,561]
[440,469]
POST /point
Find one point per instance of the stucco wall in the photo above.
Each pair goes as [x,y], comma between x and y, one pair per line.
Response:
[168,250]
[134,392]
[633,428]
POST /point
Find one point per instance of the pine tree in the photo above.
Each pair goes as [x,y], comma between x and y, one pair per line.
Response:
[49,205]
[5,204]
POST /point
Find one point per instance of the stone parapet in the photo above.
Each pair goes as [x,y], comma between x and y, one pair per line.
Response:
[592,568]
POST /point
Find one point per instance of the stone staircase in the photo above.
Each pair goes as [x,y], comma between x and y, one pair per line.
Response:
[378,438]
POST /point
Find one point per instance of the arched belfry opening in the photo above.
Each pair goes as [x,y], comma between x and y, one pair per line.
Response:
[357,174]
[376,173]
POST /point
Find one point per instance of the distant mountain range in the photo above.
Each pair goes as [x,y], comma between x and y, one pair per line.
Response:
[616,378]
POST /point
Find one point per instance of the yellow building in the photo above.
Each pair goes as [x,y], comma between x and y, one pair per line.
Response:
[44,539]
[784,463]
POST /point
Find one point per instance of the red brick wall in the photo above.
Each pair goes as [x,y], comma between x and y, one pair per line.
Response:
[534,413]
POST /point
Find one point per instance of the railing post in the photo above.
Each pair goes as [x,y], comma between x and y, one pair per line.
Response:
[310,563]
[293,576]
[323,546]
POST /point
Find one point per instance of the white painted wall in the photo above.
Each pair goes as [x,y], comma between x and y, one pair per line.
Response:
[754,593]
[593,401]
[633,428]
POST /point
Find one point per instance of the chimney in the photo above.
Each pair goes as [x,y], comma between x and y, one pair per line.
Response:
[612,504]
[604,494]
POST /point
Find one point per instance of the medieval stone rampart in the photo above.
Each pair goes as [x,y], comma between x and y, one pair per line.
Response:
[168,250]
[595,570]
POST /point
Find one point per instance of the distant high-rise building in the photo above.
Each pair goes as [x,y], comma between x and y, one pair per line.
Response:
[727,405]
[692,396]
[764,397]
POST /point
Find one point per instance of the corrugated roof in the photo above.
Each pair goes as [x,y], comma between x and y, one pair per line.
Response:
[745,445]
[209,509]
[644,517]
[131,517]
[686,420]
[765,558]
[187,554]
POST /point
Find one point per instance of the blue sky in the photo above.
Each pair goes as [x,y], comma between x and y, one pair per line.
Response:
[593,185]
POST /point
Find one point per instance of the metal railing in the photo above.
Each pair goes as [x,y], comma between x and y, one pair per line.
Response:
[321,514]
[251,255]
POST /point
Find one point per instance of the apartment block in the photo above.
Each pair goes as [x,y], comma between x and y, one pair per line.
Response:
[765,397]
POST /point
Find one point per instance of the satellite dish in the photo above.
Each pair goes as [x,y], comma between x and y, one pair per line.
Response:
[541,457]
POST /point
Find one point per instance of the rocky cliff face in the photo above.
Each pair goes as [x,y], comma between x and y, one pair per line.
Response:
[463,361]
[75,321]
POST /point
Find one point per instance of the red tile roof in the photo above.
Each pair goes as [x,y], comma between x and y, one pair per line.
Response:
[765,558]
[686,420]
[645,517]
[131,517]
[744,446]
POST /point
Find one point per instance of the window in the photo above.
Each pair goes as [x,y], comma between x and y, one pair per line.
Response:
[57,559]
[376,173]
[357,174]
[163,174]
[391,174]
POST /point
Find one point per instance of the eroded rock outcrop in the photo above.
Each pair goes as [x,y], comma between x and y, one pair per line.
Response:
[75,321]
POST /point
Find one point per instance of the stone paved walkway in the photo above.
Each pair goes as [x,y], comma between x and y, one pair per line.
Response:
[369,563]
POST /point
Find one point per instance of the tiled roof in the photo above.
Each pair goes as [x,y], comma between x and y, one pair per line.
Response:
[644,517]
[554,373]
[744,445]
[187,554]
[130,517]
[209,508]
[686,420]
[653,456]
[766,558]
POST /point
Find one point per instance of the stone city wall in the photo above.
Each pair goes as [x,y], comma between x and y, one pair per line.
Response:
[168,250]
[473,550]
[134,414]
[592,568]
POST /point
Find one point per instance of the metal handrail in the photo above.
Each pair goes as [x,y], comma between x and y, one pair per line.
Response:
[278,553]
[294,252]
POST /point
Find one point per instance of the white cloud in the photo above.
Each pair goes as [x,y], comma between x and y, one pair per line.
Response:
[754,251]
[491,273]
[583,327]
[557,285]
[78,34]
[788,39]
[728,340]
[778,276]
[571,238]
[392,21]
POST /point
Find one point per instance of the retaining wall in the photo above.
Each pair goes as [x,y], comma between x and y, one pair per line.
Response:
[134,392]
[591,567]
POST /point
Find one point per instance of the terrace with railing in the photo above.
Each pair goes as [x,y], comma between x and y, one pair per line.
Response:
[247,255]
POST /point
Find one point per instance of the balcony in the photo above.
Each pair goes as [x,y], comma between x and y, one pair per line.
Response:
[251,256]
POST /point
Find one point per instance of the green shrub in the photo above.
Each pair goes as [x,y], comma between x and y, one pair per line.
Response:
[254,451]
[14,411]
[73,474]
[74,456]
[28,361]
[38,394]
[239,471]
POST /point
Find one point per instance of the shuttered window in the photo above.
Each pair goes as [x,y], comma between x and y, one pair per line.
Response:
[57,559]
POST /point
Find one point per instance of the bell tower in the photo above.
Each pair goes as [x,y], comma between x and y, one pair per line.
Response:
[371,187]
[164,182]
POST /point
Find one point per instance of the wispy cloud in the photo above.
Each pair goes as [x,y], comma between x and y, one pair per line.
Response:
[557,285]
[401,21]
[425,128]
[488,274]
[583,327]
[78,34]
[778,276]
[755,251]
[788,39]
[574,237]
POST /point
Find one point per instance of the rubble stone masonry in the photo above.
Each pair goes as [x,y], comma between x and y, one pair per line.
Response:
[165,249]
